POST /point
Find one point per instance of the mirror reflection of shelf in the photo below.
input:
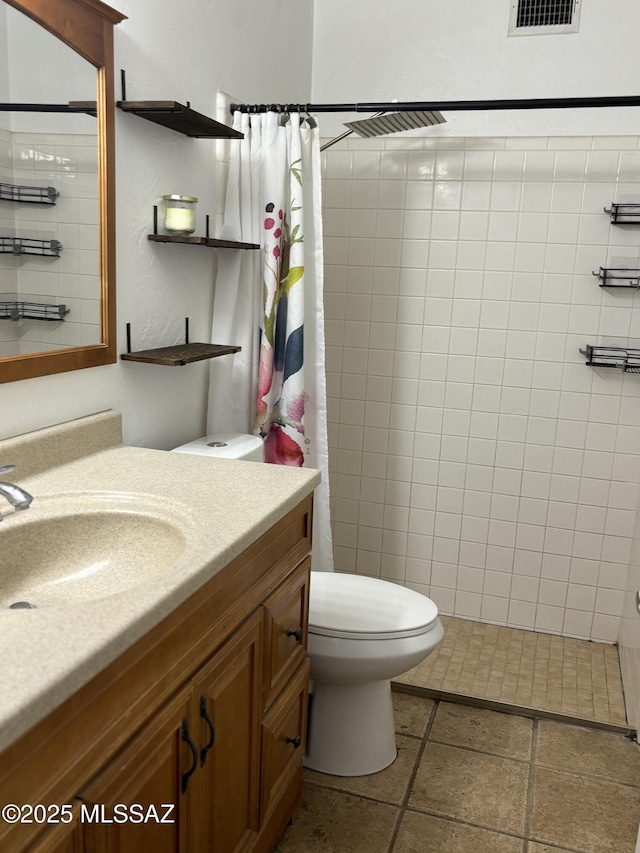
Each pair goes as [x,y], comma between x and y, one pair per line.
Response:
[32,311]
[626,359]
[618,276]
[30,246]
[28,195]
[624,213]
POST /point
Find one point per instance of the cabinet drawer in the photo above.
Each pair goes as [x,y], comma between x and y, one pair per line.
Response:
[284,730]
[286,631]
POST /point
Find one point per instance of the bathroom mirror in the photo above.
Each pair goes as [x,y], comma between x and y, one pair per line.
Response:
[57,227]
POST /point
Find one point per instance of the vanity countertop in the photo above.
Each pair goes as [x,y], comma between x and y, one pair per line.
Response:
[223,506]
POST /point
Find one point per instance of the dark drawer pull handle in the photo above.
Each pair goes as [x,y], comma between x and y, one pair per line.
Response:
[297,634]
[296,741]
[194,753]
[212,730]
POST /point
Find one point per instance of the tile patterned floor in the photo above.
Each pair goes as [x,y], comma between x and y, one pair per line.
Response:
[472,780]
[526,669]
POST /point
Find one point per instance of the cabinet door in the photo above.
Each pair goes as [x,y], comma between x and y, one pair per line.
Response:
[286,630]
[151,771]
[226,700]
[63,838]
[283,741]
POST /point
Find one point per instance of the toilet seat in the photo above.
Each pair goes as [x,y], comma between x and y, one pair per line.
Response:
[357,607]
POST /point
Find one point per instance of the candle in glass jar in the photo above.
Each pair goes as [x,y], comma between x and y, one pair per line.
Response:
[180,214]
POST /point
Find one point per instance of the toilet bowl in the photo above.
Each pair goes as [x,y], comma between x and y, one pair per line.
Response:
[362,633]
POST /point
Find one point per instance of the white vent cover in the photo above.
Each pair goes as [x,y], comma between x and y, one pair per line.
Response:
[543,17]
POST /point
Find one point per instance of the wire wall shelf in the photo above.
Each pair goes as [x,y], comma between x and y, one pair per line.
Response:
[32,311]
[30,246]
[618,276]
[626,359]
[624,213]
[28,195]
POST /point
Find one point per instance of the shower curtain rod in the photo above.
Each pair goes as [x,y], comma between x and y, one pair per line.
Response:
[444,106]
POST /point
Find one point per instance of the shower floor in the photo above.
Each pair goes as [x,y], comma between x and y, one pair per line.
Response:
[511,669]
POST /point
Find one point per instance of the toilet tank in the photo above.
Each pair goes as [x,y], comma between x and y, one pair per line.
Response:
[227,445]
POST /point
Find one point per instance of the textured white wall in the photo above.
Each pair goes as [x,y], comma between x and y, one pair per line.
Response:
[182,51]
[429,50]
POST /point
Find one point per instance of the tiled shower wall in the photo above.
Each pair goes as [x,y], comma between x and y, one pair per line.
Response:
[474,456]
[9,343]
[69,163]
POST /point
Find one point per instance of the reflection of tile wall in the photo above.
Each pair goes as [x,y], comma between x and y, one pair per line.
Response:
[9,342]
[68,163]
[473,455]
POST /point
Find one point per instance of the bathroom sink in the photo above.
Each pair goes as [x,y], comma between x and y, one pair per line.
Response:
[79,548]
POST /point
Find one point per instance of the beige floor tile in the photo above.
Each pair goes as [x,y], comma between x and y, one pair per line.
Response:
[479,728]
[421,833]
[557,670]
[579,750]
[411,713]
[389,785]
[331,822]
[482,789]
[534,847]
[584,813]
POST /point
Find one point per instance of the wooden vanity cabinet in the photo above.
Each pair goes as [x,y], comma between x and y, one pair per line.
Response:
[223,746]
[63,838]
[148,770]
[226,788]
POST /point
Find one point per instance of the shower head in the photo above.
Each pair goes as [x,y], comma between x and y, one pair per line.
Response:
[384,123]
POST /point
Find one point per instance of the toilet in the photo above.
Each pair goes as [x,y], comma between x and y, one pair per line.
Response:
[362,633]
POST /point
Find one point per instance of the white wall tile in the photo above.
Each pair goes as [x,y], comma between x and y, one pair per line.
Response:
[468,431]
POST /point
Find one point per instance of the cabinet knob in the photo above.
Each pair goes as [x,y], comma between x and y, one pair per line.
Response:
[294,741]
[297,633]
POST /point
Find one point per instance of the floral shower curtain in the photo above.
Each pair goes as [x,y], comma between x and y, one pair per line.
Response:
[271,304]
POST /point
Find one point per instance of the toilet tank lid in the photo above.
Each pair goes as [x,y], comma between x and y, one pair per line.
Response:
[357,604]
[229,445]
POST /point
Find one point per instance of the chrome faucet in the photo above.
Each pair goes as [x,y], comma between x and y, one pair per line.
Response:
[16,496]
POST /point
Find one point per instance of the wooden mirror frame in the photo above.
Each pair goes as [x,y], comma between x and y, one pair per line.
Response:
[86,26]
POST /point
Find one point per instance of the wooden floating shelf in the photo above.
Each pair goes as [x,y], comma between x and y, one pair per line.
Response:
[183,119]
[88,107]
[179,355]
[212,242]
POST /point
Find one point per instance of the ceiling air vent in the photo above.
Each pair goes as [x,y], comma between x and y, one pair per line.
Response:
[543,17]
